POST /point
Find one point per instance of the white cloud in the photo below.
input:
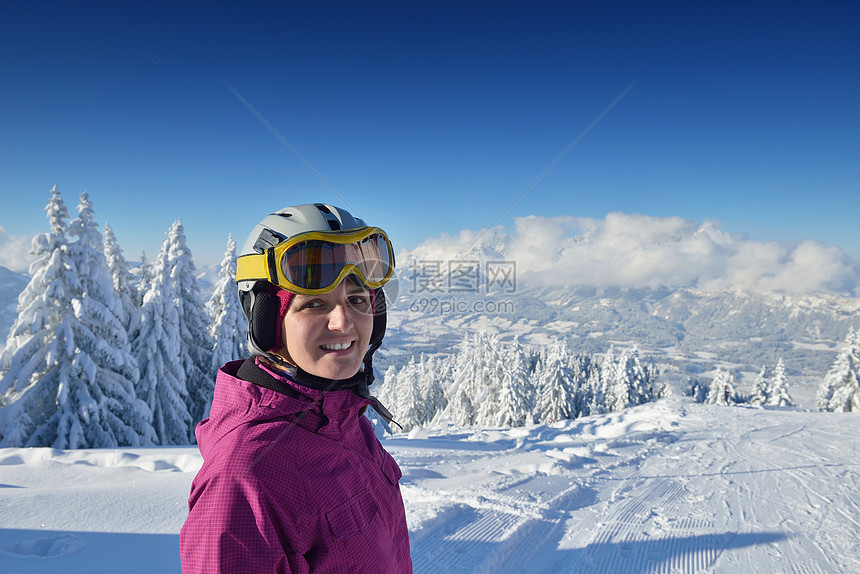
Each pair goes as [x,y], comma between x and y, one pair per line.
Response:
[14,251]
[629,250]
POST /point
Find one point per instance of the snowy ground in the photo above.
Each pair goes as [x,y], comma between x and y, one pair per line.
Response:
[665,487]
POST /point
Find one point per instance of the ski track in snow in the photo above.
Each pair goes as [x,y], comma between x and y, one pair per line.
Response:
[670,487]
[638,493]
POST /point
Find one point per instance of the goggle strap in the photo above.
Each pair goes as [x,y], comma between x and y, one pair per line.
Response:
[273,265]
[253,268]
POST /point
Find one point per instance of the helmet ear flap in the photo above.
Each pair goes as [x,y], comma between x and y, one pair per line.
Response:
[262,330]
[380,319]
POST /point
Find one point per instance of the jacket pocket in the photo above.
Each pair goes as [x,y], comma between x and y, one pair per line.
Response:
[390,468]
[353,516]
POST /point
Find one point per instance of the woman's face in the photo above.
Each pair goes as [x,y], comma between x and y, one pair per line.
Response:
[328,335]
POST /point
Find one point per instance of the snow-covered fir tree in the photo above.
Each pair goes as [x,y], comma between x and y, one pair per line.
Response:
[840,389]
[516,393]
[84,396]
[228,325]
[36,360]
[194,339]
[142,278]
[434,374]
[778,391]
[628,383]
[599,383]
[761,388]
[581,368]
[106,369]
[467,385]
[383,389]
[487,400]
[556,400]
[408,397]
[697,390]
[157,346]
[722,389]
[123,280]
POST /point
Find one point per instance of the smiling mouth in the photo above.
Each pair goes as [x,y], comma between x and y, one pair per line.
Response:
[337,346]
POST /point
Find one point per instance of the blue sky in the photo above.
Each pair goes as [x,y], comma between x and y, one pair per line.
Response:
[430,119]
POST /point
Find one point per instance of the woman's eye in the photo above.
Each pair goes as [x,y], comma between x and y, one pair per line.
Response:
[357,300]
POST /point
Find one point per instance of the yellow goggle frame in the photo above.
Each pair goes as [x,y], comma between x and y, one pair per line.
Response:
[315,262]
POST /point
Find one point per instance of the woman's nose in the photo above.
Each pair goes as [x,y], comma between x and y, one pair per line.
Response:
[339,318]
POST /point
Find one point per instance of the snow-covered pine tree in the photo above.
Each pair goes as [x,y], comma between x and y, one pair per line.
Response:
[778,392]
[581,368]
[462,394]
[408,397]
[532,357]
[555,398]
[516,393]
[194,339]
[761,388]
[157,347]
[593,401]
[384,390]
[228,326]
[697,390]
[105,367]
[82,392]
[657,390]
[840,389]
[142,278]
[433,375]
[627,383]
[123,281]
[37,314]
[722,389]
[603,377]
[487,397]
[36,360]
[614,377]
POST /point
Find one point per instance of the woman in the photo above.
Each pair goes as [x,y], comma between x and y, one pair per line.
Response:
[294,479]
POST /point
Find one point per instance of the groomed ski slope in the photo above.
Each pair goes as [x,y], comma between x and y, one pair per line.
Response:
[666,487]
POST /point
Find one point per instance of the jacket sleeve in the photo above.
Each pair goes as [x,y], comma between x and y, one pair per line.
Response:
[227,532]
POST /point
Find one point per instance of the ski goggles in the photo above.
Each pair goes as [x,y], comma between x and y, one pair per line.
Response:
[316,262]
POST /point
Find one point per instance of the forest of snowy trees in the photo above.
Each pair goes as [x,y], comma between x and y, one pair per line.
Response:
[101,356]
[839,391]
[491,384]
[106,354]
[769,389]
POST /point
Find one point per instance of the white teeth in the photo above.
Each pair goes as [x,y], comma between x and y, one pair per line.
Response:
[336,346]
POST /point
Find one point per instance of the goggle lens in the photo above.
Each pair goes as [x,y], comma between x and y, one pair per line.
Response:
[317,264]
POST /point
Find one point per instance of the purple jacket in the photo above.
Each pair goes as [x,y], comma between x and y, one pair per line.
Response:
[286,492]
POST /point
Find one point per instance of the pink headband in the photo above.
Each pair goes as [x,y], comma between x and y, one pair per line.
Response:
[286,297]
